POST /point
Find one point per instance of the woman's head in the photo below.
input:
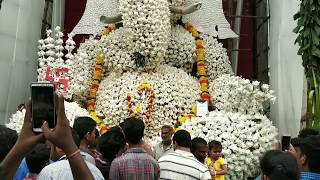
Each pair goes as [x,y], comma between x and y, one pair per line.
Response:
[278,165]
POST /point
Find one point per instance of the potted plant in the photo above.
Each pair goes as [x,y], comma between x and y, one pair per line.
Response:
[308,30]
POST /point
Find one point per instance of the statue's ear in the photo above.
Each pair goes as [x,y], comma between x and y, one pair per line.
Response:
[111,20]
[210,19]
[186,9]
[90,21]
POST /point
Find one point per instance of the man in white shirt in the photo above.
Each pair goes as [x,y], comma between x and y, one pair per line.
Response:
[181,164]
[85,127]
[165,146]
[60,170]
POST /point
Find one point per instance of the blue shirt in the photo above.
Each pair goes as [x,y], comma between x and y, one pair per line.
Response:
[22,171]
[309,176]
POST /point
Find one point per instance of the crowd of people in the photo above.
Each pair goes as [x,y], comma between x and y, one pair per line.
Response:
[81,152]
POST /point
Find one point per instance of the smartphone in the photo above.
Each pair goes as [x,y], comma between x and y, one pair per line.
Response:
[42,105]
[285,142]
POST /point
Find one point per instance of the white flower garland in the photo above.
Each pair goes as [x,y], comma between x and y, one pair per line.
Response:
[175,93]
[181,50]
[50,54]
[244,139]
[235,94]
[73,110]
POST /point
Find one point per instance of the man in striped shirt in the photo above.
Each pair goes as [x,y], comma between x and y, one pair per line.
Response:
[181,164]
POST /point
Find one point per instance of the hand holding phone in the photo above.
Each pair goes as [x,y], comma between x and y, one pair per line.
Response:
[43,106]
[285,142]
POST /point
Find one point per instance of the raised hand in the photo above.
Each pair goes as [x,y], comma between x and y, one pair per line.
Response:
[26,141]
[61,135]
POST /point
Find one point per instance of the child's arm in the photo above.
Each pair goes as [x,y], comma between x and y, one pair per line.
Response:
[223,171]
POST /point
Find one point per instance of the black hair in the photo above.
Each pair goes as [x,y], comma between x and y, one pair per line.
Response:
[8,138]
[308,132]
[1,174]
[197,141]
[166,127]
[38,158]
[214,144]
[75,137]
[310,146]
[84,125]
[295,142]
[96,132]
[182,138]
[111,142]
[278,165]
[133,129]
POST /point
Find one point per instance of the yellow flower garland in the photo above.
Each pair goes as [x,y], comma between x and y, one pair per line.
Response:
[201,61]
[201,66]
[96,79]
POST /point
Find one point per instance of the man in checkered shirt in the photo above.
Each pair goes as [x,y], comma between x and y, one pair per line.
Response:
[135,163]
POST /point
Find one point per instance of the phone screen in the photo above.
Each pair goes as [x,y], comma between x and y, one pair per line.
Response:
[42,98]
[285,142]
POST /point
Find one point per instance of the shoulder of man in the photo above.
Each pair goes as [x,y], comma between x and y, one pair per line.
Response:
[167,156]
[49,171]
[95,171]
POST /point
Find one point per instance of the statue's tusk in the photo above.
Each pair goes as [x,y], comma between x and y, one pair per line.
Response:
[111,20]
[185,10]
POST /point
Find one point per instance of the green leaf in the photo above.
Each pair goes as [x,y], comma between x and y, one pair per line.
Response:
[305,47]
[301,22]
[317,29]
[316,53]
[298,40]
[296,30]
[296,16]
[315,37]
[306,32]
[316,18]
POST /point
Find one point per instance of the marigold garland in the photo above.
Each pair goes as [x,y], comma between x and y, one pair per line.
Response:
[201,67]
[201,61]
[96,79]
[146,88]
